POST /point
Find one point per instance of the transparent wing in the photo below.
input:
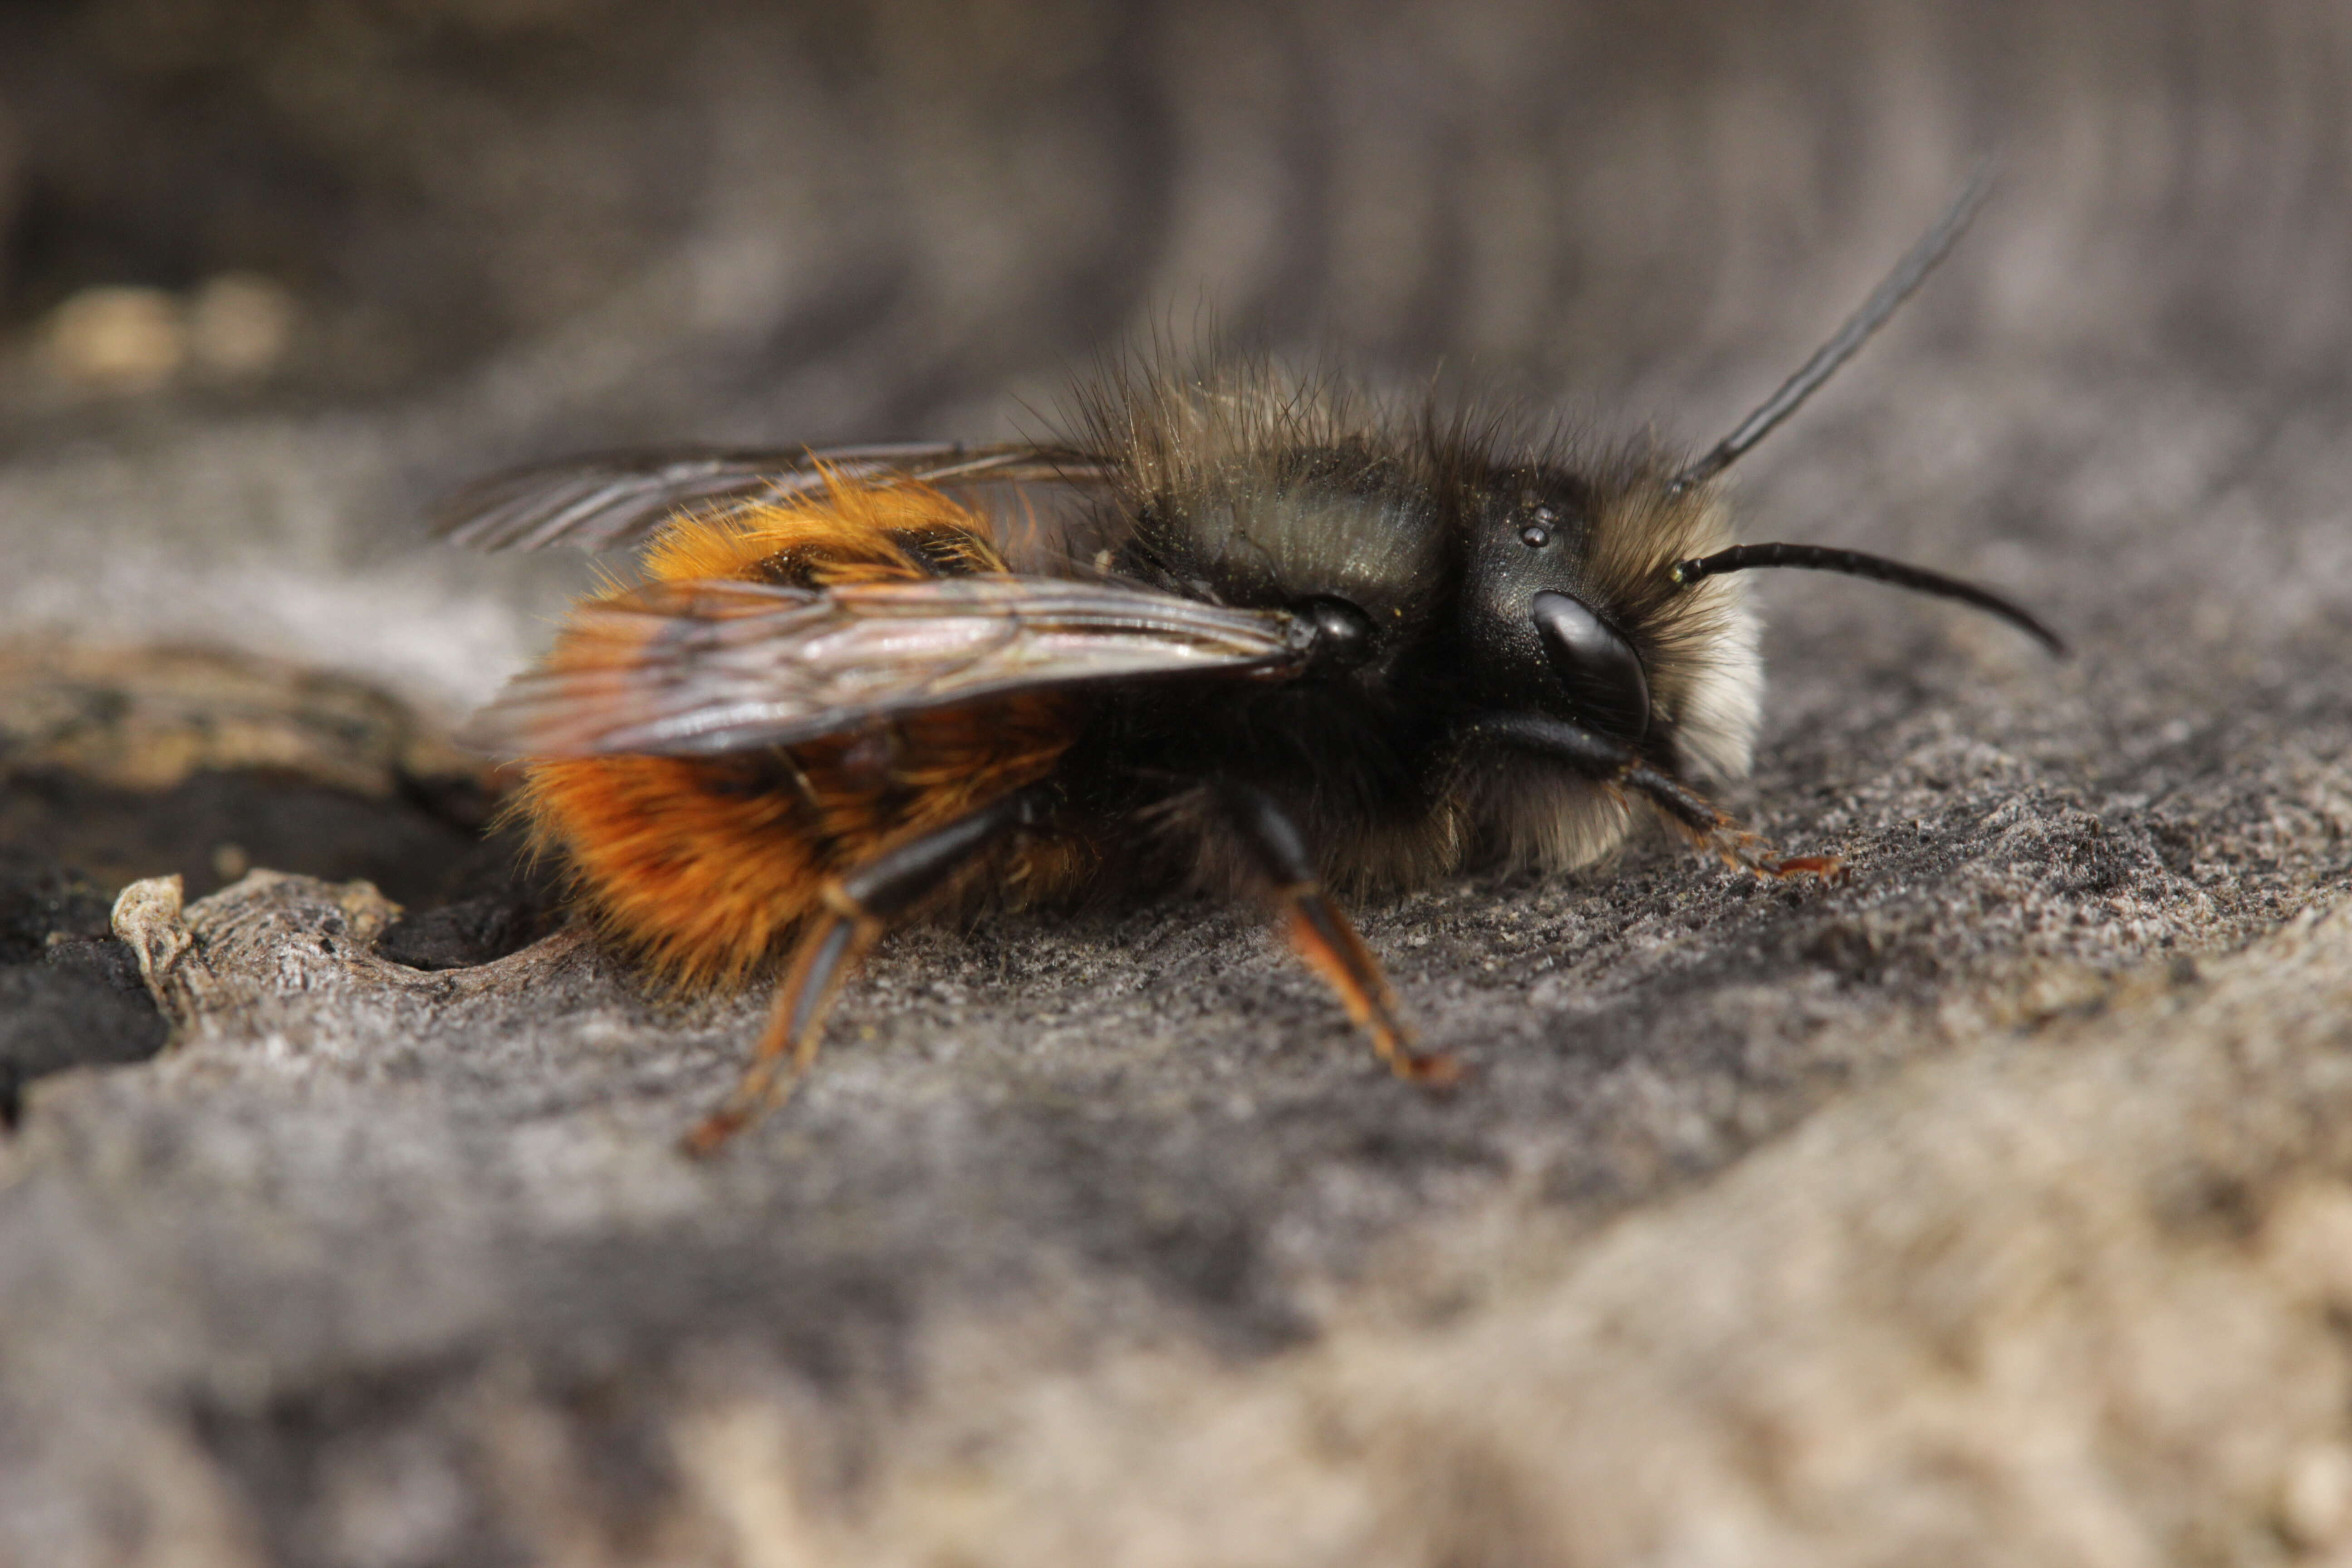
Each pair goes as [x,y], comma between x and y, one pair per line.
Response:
[613,499]
[699,668]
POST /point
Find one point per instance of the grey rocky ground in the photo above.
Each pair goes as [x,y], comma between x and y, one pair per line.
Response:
[1996,1205]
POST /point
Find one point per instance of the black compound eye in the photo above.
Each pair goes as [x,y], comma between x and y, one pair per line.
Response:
[1344,635]
[1603,675]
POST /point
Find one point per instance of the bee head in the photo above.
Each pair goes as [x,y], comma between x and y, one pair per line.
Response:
[1545,627]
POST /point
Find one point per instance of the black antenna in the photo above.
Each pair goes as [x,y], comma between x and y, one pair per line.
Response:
[1855,564]
[1884,301]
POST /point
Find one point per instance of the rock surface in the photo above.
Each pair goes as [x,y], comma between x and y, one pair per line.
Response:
[1996,1205]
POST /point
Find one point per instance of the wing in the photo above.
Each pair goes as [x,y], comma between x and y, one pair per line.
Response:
[613,499]
[699,669]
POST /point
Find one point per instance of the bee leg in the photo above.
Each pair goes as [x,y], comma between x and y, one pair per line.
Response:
[859,906]
[1322,935]
[832,948]
[1613,762]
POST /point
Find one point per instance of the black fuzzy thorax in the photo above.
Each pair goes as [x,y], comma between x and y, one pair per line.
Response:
[1349,752]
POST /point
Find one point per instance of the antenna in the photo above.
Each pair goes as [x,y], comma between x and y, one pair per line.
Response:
[1884,301]
[1877,568]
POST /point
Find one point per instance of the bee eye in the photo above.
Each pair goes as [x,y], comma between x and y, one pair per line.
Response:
[1600,674]
[1344,636]
[1534,536]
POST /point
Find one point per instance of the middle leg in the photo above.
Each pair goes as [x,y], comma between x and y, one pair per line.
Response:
[1322,935]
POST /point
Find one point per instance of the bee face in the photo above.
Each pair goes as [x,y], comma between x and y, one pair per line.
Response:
[1538,622]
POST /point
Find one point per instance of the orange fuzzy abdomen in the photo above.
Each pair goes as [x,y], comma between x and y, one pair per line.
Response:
[706,865]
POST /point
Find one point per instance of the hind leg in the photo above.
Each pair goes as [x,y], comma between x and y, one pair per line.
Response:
[858,907]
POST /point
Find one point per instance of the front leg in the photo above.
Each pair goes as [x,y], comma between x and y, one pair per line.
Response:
[1321,934]
[1612,762]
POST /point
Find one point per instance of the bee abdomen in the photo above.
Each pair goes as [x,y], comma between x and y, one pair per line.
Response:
[706,866]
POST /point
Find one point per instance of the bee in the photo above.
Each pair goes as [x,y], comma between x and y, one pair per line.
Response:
[1237,629]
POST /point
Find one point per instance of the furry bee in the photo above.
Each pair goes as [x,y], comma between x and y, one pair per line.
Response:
[1276,642]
